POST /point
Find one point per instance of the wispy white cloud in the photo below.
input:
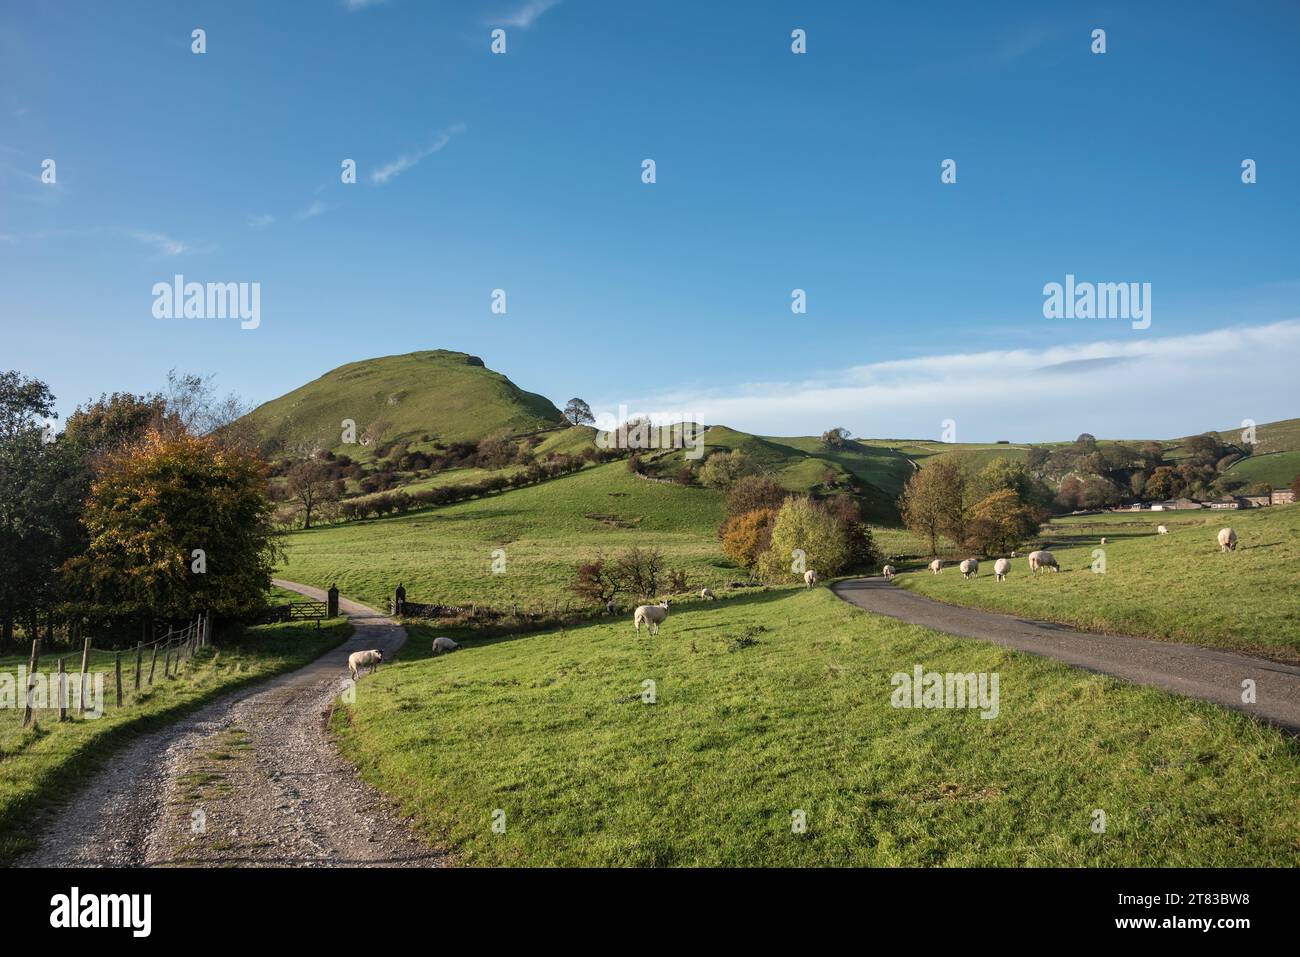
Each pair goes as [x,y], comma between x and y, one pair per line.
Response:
[1140,387]
[165,246]
[524,16]
[400,165]
[316,208]
[261,221]
[353,5]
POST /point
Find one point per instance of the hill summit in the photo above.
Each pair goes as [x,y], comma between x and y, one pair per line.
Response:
[447,396]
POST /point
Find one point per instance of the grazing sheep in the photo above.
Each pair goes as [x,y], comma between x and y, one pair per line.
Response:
[1161,530]
[1103,539]
[360,659]
[889,571]
[1001,568]
[444,646]
[936,566]
[1014,555]
[969,567]
[1042,559]
[809,578]
[650,616]
[706,594]
[1227,540]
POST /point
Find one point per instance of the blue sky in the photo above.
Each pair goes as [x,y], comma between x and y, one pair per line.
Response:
[775,171]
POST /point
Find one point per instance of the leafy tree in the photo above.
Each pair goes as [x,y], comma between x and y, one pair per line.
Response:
[752,492]
[1000,522]
[747,536]
[37,502]
[836,439]
[932,503]
[721,470]
[596,582]
[578,412]
[806,526]
[1165,482]
[152,507]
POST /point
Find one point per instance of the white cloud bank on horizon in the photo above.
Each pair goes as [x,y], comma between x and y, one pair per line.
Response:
[1140,388]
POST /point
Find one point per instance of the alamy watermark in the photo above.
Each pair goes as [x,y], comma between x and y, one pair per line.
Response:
[214,300]
[933,689]
[1101,300]
[653,430]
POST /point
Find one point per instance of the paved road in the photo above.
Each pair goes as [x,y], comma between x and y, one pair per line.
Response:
[251,780]
[1206,673]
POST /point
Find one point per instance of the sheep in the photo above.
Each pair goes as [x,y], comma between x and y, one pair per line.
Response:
[706,594]
[1000,569]
[1161,530]
[809,578]
[889,572]
[969,567]
[1042,559]
[650,616]
[444,646]
[1103,539]
[1227,540]
[936,566]
[360,659]
[611,608]
[1014,555]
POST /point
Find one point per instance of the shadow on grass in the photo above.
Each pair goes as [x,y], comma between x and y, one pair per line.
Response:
[421,634]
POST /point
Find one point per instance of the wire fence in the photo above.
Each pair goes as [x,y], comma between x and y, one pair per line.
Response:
[76,682]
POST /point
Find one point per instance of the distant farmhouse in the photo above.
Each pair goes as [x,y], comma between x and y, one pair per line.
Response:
[1283,496]
[1174,505]
[1278,496]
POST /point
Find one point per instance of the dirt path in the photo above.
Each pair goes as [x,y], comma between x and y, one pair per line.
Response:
[1206,673]
[251,780]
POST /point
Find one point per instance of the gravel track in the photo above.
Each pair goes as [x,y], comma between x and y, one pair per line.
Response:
[251,780]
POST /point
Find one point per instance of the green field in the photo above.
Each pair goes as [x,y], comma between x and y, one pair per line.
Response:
[1176,586]
[49,759]
[446,554]
[780,701]
[1277,469]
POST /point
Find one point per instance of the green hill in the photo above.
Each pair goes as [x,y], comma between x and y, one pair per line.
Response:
[418,397]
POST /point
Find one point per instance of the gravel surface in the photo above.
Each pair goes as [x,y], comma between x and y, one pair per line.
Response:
[251,780]
[1206,673]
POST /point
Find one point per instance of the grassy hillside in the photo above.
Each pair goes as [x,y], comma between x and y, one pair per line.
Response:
[1176,586]
[779,702]
[445,554]
[449,396]
[1277,469]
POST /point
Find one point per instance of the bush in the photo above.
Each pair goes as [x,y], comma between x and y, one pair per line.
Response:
[746,537]
[803,525]
[721,470]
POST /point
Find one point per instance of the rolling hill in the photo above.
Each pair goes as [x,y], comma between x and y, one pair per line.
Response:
[418,397]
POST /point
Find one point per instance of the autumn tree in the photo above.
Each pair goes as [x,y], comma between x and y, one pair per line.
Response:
[747,536]
[721,470]
[177,525]
[805,535]
[754,491]
[1000,522]
[932,503]
[835,439]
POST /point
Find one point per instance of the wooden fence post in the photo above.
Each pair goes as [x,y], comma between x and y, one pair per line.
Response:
[63,693]
[139,662]
[117,668]
[31,681]
[153,663]
[81,687]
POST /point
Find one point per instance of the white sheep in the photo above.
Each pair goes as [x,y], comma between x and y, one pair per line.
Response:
[444,646]
[1014,555]
[650,616]
[706,594]
[1042,559]
[1001,568]
[1103,539]
[936,566]
[1161,530]
[360,659]
[1227,540]
[889,572]
[809,578]
[969,567]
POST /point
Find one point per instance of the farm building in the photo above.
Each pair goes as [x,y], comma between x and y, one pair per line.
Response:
[1174,505]
[1282,496]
